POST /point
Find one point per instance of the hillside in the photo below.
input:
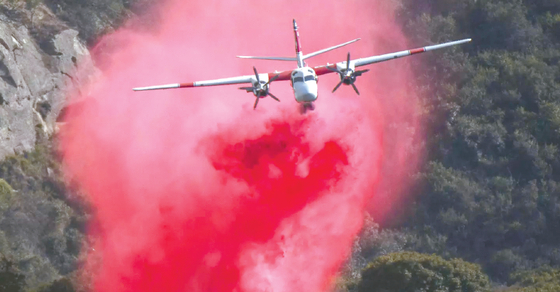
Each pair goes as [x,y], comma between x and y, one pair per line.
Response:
[488,192]
[42,222]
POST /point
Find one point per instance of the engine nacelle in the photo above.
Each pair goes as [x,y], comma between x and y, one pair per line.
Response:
[347,73]
[260,87]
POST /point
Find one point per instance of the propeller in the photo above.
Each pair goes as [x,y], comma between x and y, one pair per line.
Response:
[348,75]
[260,89]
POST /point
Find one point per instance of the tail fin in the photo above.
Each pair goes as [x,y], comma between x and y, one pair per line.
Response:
[296,34]
[299,55]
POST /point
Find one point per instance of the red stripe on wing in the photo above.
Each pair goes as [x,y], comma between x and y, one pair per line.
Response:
[322,70]
[416,51]
[284,75]
[190,84]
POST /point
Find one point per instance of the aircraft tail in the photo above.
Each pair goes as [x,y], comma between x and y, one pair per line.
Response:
[299,55]
[298,58]
[296,34]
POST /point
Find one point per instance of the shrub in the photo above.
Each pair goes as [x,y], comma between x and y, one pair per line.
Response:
[412,271]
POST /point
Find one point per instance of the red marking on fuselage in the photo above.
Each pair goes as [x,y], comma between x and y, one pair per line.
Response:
[416,51]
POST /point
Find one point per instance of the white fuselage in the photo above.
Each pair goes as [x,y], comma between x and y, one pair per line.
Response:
[304,83]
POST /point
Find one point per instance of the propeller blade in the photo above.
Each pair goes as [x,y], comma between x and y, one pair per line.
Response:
[256,74]
[355,88]
[272,79]
[272,95]
[348,62]
[256,102]
[247,88]
[359,73]
[337,86]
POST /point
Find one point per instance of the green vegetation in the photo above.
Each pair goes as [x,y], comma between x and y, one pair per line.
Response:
[11,279]
[6,192]
[42,222]
[490,190]
[542,280]
[61,285]
[492,184]
[92,18]
[411,271]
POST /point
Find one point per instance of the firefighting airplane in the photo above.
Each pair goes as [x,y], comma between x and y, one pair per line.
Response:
[304,79]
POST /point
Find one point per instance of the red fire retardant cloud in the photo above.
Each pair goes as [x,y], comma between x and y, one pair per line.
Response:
[193,190]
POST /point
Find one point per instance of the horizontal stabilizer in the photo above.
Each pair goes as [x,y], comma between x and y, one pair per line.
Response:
[268,58]
[329,49]
[168,86]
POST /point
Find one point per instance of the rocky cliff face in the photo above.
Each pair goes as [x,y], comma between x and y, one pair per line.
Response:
[41,229]
[42,223]
[38,57]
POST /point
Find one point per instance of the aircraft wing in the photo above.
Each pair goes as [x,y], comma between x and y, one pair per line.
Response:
[285,75]
[320,70]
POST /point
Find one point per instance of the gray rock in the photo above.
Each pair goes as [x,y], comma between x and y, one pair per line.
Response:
[38,59]
[39,230]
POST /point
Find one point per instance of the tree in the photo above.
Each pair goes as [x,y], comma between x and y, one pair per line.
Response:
[541,280]
[491,184]
[63,284]
[411,271]
[11,280]
[6,192]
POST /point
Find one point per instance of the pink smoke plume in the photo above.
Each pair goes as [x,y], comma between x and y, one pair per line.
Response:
[195,191]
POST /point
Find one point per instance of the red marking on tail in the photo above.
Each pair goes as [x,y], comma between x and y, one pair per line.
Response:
[296,33]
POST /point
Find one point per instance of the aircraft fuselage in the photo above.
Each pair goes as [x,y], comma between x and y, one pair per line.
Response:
[304,83]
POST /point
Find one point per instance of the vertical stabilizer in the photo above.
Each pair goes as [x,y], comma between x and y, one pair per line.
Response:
[299,54]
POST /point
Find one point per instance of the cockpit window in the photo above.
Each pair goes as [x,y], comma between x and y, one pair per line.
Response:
[310,71]
[298,79]
[309,77]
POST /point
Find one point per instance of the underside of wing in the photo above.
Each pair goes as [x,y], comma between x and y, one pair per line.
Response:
[224,81]
[215,82]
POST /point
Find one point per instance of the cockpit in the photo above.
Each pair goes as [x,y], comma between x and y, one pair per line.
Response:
[303,75]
